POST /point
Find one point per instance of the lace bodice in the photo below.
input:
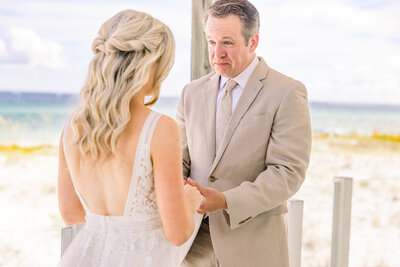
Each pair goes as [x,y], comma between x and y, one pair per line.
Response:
[141,202]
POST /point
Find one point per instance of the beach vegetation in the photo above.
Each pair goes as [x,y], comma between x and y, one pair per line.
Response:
[386,137]
[27,150]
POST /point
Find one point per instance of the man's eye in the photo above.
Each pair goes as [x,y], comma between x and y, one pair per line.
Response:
[228,43]
[211,42]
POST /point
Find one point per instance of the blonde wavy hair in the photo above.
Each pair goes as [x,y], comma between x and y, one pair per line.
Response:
[126,49]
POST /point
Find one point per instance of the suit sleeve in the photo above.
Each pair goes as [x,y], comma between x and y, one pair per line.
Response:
[286,160]
[180,117]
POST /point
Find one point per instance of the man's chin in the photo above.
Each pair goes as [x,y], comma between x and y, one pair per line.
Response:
[223,72]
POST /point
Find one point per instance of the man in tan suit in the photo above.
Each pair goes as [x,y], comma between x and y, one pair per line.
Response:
[246,145]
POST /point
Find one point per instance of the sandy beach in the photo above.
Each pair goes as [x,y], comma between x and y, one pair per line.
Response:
[30,224]
[375,225]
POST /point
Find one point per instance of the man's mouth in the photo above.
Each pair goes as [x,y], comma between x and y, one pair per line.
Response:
[220,63]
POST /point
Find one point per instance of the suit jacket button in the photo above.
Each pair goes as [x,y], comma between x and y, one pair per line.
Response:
[212,179]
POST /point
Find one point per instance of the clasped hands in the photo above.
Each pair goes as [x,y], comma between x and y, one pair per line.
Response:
[213,199]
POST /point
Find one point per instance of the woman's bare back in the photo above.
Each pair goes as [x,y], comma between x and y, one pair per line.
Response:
[104,185]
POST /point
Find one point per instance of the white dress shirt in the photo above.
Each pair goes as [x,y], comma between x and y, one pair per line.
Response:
[241,81]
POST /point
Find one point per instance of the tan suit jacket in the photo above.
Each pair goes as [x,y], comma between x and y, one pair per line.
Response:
[262,161]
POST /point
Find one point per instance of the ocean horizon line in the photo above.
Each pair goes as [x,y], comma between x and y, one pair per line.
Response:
[32,118]
[17,96]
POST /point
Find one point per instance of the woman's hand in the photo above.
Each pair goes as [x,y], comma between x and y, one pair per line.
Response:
[193,197]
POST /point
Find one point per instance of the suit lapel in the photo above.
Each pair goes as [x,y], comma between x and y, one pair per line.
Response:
[253,86]
[210,101]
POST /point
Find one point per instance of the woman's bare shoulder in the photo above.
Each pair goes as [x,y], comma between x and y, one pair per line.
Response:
[166,125]
[166,132]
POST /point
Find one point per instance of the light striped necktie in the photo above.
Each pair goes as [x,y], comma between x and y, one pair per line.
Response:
[223,113]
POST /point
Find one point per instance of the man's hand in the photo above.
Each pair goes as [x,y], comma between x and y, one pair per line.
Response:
[213,199]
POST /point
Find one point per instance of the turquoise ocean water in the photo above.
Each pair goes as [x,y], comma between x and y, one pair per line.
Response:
[31,119]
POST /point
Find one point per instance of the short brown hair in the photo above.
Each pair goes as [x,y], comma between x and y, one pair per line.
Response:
[245,10]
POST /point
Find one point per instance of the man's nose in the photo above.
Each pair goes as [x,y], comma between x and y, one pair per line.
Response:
[219,51]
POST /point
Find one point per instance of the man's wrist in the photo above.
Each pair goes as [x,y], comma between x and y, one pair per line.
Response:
[224,205]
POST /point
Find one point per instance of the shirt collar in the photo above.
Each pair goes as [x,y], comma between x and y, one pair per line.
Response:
[244,76]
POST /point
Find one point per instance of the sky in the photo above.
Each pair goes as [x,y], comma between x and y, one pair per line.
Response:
[344,51]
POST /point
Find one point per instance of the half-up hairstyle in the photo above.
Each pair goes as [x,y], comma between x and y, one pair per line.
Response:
[126,49]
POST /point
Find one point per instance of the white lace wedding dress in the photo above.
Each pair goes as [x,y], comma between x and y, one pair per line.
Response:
[134,239]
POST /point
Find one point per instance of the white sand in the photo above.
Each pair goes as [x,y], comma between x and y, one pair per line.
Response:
[30,223]
[375,227]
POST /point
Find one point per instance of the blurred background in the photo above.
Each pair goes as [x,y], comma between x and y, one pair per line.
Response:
[346,52]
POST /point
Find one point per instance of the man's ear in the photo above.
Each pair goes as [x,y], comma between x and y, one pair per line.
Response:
[253,42]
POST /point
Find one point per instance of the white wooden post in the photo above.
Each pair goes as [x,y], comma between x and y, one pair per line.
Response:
[67,235]
[341,222]
[295,229]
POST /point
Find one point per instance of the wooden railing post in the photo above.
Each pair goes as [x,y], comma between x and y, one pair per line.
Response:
[200,64]
[295,230]
[341,222]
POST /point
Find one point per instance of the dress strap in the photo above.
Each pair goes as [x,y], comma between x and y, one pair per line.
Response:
[142,151]
[155,116]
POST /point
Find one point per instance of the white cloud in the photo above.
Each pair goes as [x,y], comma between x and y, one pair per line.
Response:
[74,24]
[25,46]
[343,50]
[3,49]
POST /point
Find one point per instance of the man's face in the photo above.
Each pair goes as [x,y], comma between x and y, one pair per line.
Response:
[228,52]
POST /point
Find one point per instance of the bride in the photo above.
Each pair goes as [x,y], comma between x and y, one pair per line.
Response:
[120,166]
